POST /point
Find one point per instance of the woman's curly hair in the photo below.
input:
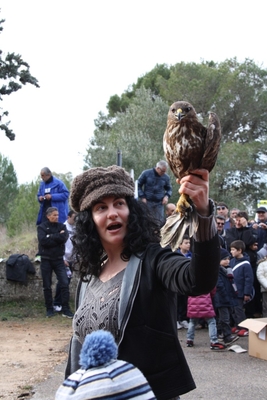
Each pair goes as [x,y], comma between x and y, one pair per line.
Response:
[142,228]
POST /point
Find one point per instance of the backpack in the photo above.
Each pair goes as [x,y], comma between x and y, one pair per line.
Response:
[17,267]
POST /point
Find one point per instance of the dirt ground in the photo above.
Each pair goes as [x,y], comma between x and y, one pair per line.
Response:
[29,351]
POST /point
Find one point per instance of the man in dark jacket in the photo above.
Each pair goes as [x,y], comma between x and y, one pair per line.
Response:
[52,236]
[154,188]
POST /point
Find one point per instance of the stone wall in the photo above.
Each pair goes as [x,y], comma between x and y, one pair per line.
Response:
[10,290]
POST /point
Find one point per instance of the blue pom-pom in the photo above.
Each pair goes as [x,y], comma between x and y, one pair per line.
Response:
[98,348]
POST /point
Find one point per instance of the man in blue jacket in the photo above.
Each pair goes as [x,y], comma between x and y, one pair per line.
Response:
[154,188]
[52,193]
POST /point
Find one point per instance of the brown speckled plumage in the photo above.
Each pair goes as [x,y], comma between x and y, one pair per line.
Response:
[188,145]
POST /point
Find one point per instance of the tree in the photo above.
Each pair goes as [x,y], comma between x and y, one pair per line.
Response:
[148,81]
[14,72]
[138,132]
[8,187]
[66,178]
[23,213]
[237,92]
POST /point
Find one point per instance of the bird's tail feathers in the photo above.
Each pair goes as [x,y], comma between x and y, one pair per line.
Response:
[176,226]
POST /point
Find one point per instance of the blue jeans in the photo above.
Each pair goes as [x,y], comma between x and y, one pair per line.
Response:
[57,298]
[224,321]
[239,313]
[157,209]
[211,326]
[47,268]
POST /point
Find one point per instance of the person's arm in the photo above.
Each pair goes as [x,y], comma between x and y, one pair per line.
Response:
[62,235]
[40,194]
[51,239]
[141,181]
[248,281]
[61,194]
[168,187]
[199,275]
[261,276]
[196,186]
[45,239]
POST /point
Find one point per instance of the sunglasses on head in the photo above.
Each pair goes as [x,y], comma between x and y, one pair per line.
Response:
[221,208]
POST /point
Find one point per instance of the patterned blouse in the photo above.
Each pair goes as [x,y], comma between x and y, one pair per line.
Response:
[99,307]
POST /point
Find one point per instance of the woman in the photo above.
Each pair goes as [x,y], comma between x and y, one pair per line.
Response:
[129,283]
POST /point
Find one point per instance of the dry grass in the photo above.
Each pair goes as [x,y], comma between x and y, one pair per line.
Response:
[24,243]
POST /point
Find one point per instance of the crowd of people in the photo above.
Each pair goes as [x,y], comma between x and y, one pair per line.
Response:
[129,284]
[241,289]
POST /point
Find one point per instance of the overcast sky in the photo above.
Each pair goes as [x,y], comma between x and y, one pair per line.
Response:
[84,51]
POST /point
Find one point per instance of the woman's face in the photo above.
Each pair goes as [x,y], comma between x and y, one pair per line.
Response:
[110,216]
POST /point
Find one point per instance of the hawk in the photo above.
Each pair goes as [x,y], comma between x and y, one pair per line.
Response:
[187,145]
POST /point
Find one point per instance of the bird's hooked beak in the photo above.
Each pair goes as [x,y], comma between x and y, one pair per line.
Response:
[179,114]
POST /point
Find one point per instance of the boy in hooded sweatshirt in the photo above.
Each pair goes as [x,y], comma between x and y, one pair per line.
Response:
[225,298]
[243,276]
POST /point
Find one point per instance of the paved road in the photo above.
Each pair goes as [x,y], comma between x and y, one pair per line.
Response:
[218,374]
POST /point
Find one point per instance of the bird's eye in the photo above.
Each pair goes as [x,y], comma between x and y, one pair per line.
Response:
[188,109]
[173,110]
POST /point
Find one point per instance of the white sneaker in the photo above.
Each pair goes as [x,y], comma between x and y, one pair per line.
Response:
[178,325]
[57,308]
[184,324]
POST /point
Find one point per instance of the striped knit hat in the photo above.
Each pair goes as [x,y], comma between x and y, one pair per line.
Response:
[102,376]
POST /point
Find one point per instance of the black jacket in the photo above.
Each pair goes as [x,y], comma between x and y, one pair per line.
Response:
[247,234]
[147,313]
[51,241]
[17,267]
[225,295]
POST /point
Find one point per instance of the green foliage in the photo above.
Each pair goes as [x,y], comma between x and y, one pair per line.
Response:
[242,182]
[237,92]
[14,310]
[8,187]
[149,81]
[66,178]
[20,309]
[14,72]
[24,211]
[138,132]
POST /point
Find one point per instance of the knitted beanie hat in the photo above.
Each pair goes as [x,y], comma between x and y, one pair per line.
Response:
[102,376]
[224,254]
[97,183]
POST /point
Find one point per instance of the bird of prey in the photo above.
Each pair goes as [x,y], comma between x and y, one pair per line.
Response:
[187,145]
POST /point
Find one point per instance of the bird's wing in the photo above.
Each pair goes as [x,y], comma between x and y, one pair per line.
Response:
[212,143]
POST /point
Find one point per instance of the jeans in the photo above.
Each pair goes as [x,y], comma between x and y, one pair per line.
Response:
[157,209]
[224,321]
[264,304]
[239,311]
[47,268]
[57,298]
[211,326]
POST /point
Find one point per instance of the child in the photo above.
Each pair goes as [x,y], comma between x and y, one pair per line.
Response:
[102,375]
[184,247]
[182,322]
[262,278]
[243,276]
[201,307]
[225,298]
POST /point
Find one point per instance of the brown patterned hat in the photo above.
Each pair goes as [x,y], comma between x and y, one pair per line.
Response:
[97,183]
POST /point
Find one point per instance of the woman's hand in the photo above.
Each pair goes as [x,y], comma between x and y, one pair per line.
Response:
[196,186]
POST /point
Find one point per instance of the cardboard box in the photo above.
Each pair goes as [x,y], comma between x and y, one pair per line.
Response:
[257,340]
